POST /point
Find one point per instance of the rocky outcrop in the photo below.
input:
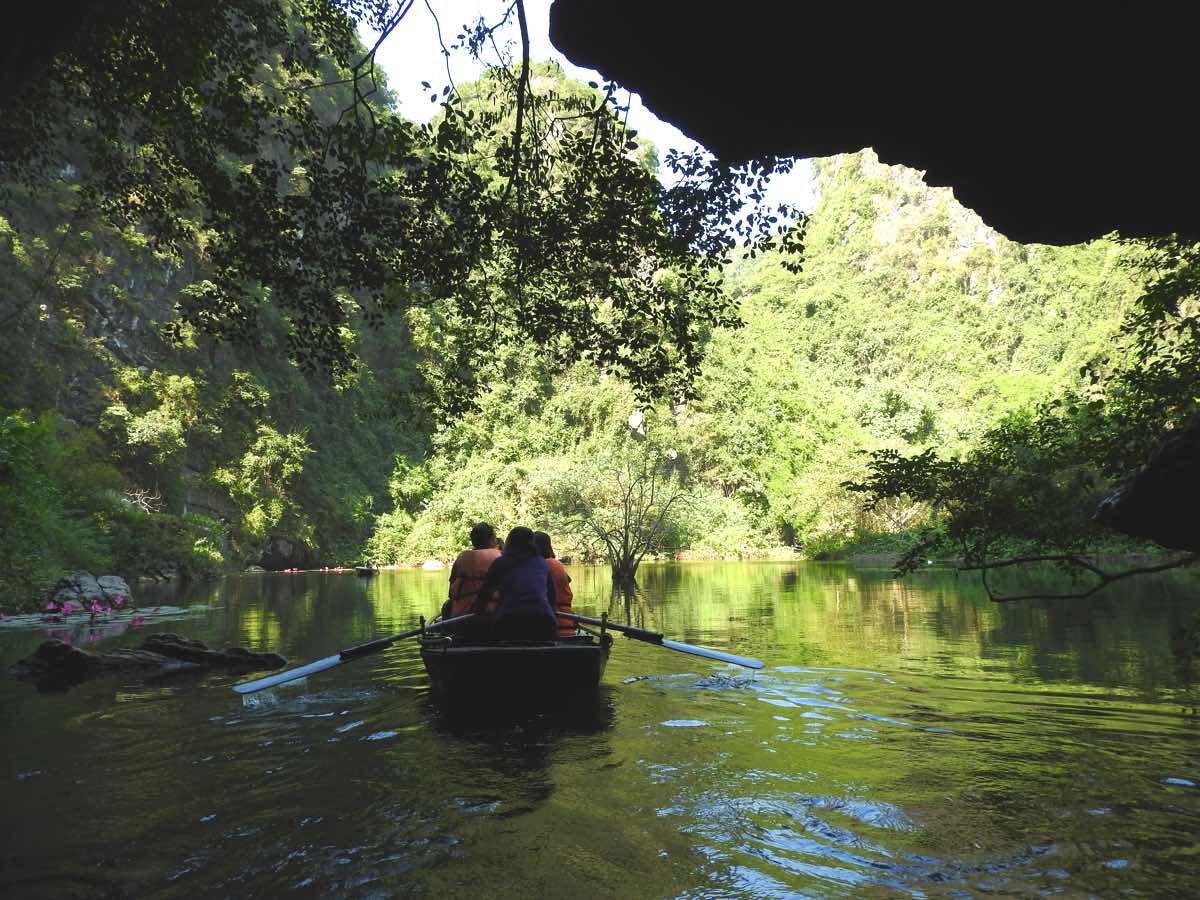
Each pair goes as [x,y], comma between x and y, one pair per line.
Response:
[113,586]
[1162,502]
[57,664]
[286,553]
[198,497]
[193,651]
[1034,164]
[82,588]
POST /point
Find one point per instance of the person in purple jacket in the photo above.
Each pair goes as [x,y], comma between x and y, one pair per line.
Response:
[521,578]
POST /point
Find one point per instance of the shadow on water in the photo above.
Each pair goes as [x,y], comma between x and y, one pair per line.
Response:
[521,720]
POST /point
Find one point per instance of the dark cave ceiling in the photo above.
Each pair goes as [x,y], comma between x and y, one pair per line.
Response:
[1055,122]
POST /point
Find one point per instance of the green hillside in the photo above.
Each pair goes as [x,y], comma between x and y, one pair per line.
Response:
[912,324]
[135,442]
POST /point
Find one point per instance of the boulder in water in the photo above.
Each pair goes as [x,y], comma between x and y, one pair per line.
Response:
[113,587]
[57,664]
[82,588]
[78,589]
[190,650]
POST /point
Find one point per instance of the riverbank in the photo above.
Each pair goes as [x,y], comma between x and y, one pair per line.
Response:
[875,551]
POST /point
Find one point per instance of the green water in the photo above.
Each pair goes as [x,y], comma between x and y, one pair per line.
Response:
[904,738]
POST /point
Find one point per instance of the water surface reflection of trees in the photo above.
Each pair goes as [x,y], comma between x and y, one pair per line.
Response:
[801,613]
[935,622]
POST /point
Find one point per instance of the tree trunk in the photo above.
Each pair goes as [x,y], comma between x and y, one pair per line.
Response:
[624,571]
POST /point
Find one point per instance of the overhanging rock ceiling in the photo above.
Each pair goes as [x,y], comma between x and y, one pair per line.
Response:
[1055,122]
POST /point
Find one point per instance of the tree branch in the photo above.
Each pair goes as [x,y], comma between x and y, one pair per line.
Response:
[1072,558]
[1104,578]
[442,44]
[356,75]
[522,88]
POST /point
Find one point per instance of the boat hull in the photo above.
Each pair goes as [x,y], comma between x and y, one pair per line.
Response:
[570,665]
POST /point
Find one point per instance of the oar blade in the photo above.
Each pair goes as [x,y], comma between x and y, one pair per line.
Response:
[259,684]
[748,662]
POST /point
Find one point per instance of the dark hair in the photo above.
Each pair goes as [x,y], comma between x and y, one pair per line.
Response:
[483,536]
[541,541]
[519,542]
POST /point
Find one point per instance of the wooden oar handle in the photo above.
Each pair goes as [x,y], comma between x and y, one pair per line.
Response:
[383,643]
[640,634]
[373,646]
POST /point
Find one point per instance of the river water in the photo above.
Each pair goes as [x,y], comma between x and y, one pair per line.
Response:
[905,738]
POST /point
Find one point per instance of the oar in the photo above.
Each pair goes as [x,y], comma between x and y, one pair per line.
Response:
[348,655]
[653,637]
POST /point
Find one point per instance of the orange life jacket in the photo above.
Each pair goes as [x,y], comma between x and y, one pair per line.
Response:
[466,576]
[562,595]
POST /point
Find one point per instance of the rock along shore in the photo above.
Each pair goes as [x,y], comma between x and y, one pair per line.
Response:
[57,665]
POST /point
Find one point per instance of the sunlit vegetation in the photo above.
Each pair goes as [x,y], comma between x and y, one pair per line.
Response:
[911,326]
[178,392]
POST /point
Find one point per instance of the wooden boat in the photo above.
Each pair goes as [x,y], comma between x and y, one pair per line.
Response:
[568,665]
[515,670]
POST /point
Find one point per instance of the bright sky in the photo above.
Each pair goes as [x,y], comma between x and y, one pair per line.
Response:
[411,54]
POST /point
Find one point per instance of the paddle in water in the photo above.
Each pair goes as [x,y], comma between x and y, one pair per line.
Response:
[348,655]
[653,637]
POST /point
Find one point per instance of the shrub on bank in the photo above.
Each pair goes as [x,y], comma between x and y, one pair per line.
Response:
[197,546]
[53,496]
[61,511]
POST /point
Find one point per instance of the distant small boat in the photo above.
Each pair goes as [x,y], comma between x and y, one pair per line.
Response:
[365,571]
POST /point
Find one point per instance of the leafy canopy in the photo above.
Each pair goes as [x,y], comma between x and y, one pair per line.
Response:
[255,137]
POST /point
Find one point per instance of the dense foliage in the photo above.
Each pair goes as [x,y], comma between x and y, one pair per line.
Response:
[474,320]
[912,326]
[256,138]
[1029,490]
[231,259]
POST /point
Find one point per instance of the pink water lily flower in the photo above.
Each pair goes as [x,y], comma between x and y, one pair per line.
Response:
[119,599]
[67,607]
[51,606]
[137,620]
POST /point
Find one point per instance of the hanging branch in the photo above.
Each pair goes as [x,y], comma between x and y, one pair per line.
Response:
[441,43]
[522,89]
[1104,578]
[357,74]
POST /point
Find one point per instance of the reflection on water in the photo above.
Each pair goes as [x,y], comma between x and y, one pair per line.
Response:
[904,738]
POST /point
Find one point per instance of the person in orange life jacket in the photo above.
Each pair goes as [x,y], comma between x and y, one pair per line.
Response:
[563,595]
[469,569]
[521,579]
